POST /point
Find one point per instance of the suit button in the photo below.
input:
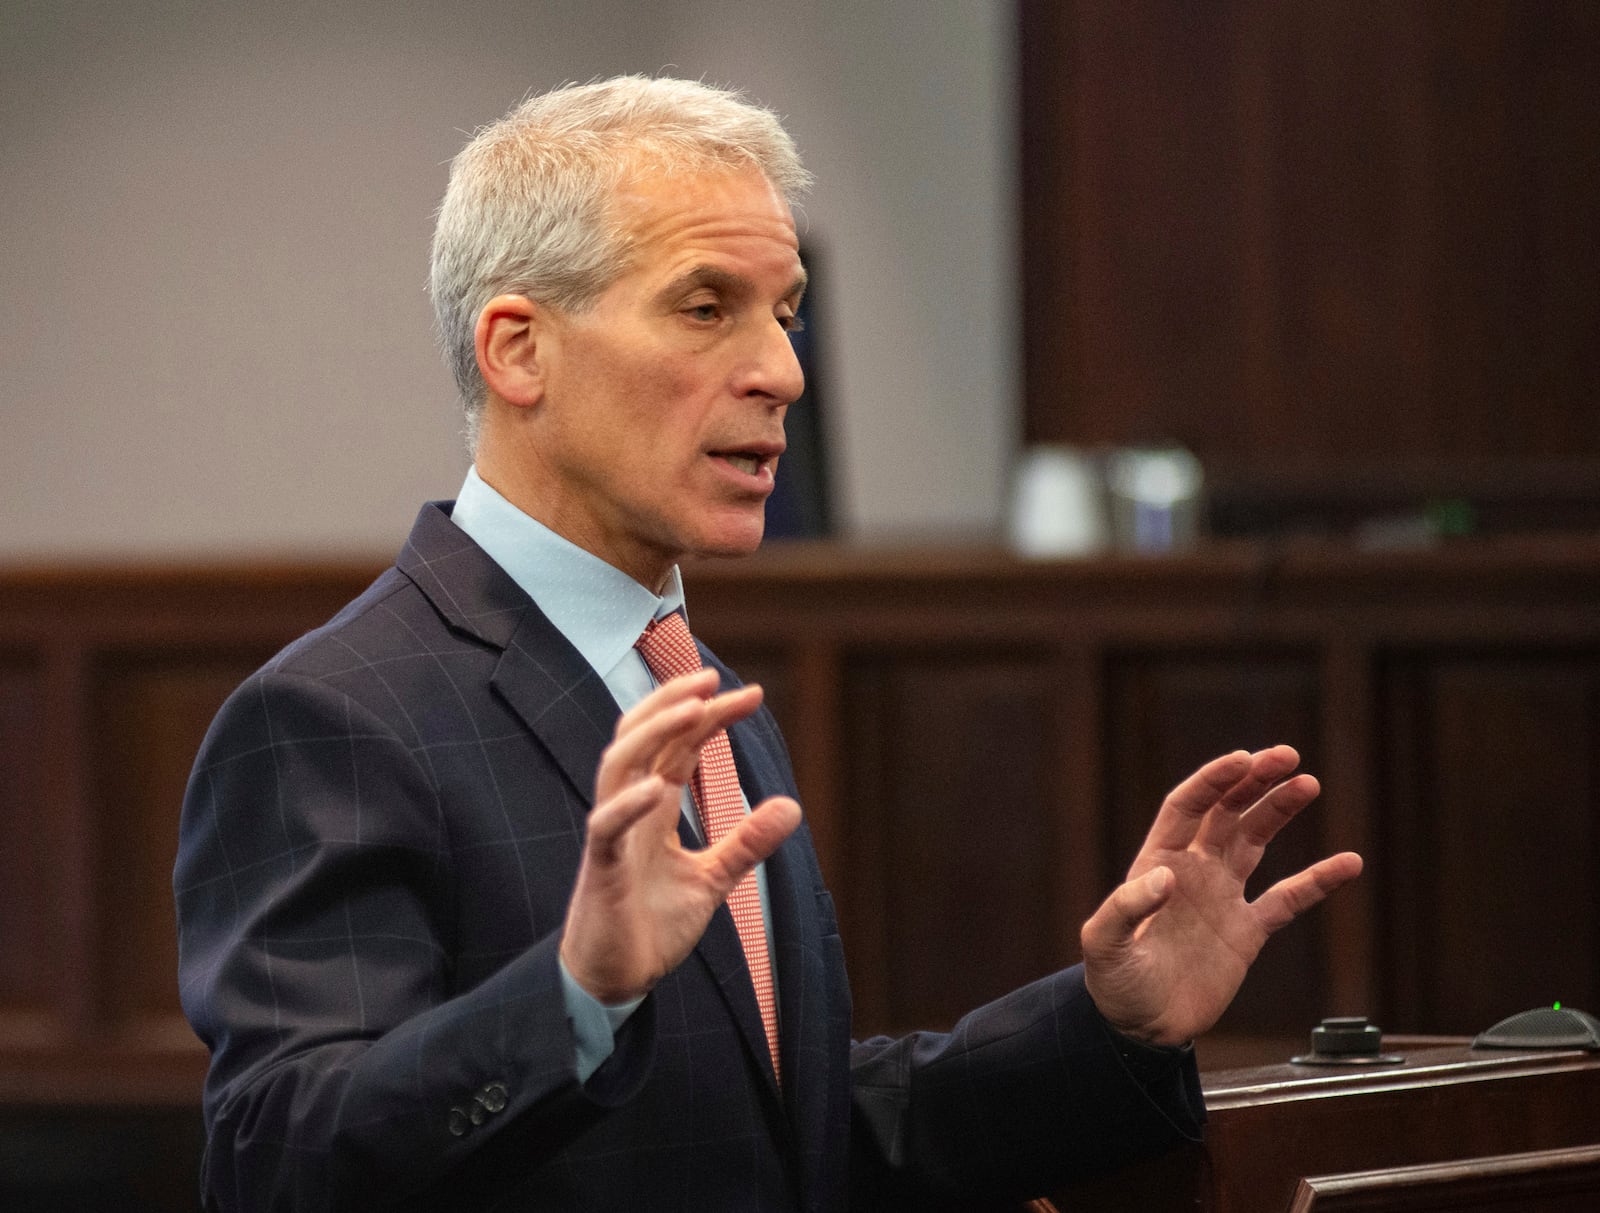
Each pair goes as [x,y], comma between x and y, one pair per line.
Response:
[476,1114]
[493,1096]
[459,1123]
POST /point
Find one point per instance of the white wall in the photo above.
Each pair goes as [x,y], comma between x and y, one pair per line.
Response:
[214,334]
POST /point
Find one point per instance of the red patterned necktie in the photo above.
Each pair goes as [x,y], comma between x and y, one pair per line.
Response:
[669,651]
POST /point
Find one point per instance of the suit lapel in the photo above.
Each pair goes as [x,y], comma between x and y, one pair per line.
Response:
[759,781]
[569,708]
[722,954]
[792,930]
[799,959]
[559,697]
[540,675]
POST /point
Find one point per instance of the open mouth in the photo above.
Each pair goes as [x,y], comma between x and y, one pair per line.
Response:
[750,461]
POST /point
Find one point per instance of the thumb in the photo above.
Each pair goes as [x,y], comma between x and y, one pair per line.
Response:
[758,834]
[1112,926]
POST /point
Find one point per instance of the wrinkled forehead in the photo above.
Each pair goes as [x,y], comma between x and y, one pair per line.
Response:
[646,160]
[657,204]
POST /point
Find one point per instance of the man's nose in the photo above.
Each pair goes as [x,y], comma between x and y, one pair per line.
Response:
[775,369]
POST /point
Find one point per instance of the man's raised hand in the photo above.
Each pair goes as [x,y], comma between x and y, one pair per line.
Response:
[1165,954]
[642,901]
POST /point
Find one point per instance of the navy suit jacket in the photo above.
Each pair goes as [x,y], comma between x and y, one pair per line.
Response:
[378,843]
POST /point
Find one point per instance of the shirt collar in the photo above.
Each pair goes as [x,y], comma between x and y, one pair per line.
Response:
[596,606]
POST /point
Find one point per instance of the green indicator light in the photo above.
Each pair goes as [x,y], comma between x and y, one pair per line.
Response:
[1558,1005]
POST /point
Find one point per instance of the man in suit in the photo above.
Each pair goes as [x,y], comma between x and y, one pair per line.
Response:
[454,912]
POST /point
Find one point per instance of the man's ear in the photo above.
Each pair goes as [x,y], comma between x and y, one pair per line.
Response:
[509,352]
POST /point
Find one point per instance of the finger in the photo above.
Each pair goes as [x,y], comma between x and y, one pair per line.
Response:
[612,822]
[1263,822]
[758,834]
[663,732]
[1112,926]
[730,707]
[1185,807]
[641,732]
[1260,824]
[666,738]
[700,685]
[1294,895]
[679,753]
[1267,768]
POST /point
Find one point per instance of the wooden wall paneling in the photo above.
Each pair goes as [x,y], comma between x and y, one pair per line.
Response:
[1516,823]
[1308,239]
[1543,1181]
[1514,251]
[1494,879]
[1172,710]
[1425,688]
[125,668]
[1348,925]
[1264,396]
[1083,874]
[1271,1126]
[817,746]
[66,805]
[1349,229]
[151,707]
[959,794]
[1564,110]
[769,667]
[1133,255]
[32,937]
[862,895]
[1406,884]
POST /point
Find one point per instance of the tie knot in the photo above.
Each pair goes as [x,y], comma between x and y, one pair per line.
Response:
[667,648]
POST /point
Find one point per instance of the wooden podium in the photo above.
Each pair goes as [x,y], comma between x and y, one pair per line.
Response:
[1450,1127]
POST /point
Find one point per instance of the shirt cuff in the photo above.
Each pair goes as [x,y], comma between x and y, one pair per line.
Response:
[1149,1063]
[594,1023]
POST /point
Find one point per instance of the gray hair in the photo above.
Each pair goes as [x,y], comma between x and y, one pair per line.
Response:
[528,210]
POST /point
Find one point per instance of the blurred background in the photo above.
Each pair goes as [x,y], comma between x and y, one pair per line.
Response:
[216,336]
[1324,276]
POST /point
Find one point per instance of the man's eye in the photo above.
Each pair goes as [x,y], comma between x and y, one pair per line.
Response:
[704,311]
[792,324]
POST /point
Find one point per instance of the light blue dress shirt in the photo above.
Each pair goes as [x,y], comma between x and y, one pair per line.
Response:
[602,612]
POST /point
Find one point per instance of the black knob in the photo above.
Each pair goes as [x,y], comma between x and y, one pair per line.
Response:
[1347,1036]
[1346,1040]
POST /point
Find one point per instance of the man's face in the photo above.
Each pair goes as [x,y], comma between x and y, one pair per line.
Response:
[662,416]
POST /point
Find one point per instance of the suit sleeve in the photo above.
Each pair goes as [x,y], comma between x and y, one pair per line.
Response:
[1027,1092]
[1032,1090]
[316,921]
